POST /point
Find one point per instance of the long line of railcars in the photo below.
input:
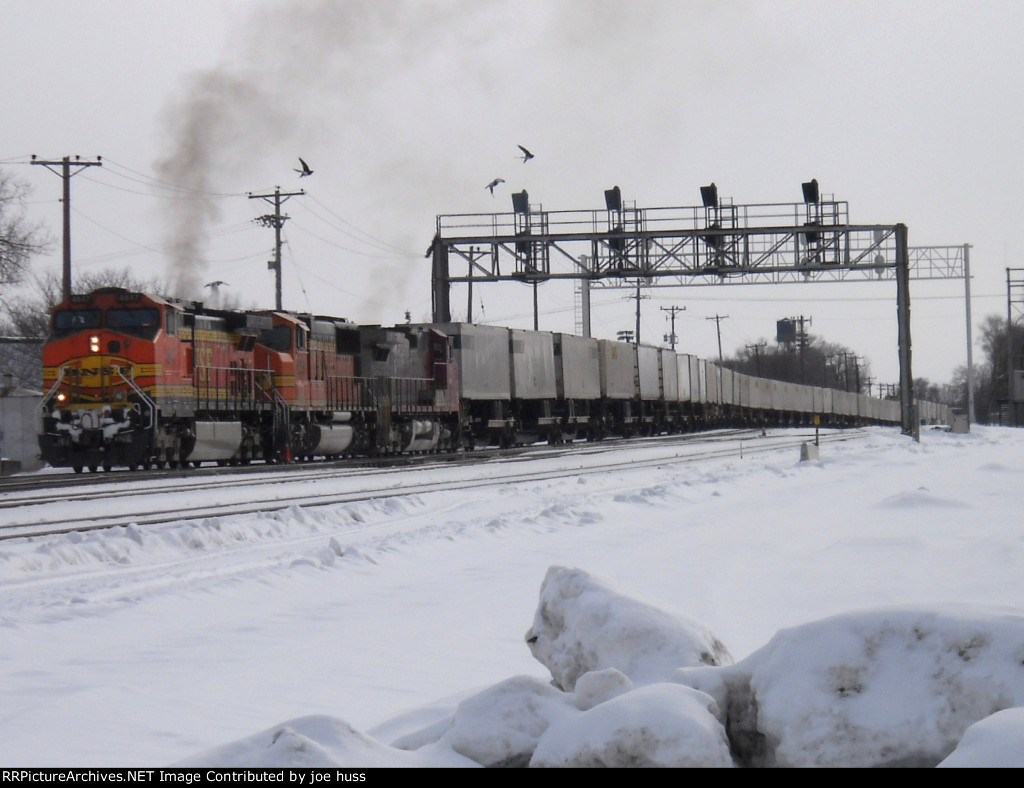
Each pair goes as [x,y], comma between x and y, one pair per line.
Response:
[137,380]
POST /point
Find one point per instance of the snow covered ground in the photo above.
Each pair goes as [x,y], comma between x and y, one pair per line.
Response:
[864,608]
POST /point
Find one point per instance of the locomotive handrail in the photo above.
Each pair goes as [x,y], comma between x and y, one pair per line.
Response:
[266,392]
[141,394]
[53,389]
[233,393]
[402,394]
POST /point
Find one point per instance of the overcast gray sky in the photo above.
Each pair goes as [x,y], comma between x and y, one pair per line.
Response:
[910,111]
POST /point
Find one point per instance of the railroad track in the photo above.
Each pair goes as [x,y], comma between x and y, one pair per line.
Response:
[108,501]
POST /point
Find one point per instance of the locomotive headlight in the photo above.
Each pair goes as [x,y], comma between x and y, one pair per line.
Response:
[61,397]
[94,343]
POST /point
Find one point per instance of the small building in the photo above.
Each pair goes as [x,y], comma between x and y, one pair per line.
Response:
[19,427]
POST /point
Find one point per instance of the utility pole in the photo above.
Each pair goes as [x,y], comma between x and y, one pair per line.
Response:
[756,347]
[1009,351]
[801,339]
[718,325]
[846,371]
[275,220]
[672,310]
[65,174]
[638,298]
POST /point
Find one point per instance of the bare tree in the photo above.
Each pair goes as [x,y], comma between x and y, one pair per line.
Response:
[820,364]
[19,239]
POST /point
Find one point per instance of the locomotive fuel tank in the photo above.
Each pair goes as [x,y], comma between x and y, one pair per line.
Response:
[332,439]
[216,440]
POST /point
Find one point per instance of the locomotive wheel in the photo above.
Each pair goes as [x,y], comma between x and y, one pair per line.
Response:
[78,468]
[107,466]
[92,468]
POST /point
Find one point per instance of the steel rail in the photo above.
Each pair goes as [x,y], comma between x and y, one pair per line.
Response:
[164,513]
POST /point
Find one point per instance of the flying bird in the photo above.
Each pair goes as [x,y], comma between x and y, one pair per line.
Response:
[494,183]
[215,285]
[305,168]
[526,154]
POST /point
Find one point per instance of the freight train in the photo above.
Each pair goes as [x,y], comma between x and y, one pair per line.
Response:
[137,380]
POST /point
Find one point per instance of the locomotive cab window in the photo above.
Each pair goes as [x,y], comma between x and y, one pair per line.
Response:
[141,322]
[68,321]
[278,338]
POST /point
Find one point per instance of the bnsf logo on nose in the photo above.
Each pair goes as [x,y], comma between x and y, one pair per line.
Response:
[90,373]
[94,369]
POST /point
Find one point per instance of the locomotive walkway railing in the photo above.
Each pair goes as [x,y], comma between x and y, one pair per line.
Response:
[401,395]
[231,388]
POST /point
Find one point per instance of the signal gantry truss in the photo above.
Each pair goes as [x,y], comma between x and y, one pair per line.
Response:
[716,243]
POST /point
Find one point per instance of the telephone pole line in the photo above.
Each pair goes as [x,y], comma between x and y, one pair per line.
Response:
[275,220]
[672,310]
[718,325]
[802,336]
[638,298]
[65,173]
[756,347]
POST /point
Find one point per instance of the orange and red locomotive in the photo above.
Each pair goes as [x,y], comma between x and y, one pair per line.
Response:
[136,380]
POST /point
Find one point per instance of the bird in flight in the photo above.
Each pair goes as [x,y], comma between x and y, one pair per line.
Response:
[215,285]
[494,183]
[526,154]
[305,168]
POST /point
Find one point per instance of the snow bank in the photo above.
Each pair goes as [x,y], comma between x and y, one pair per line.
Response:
[994,742]
[317,742]
[582,626]
[876,688]
[658,725]
[635,686]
